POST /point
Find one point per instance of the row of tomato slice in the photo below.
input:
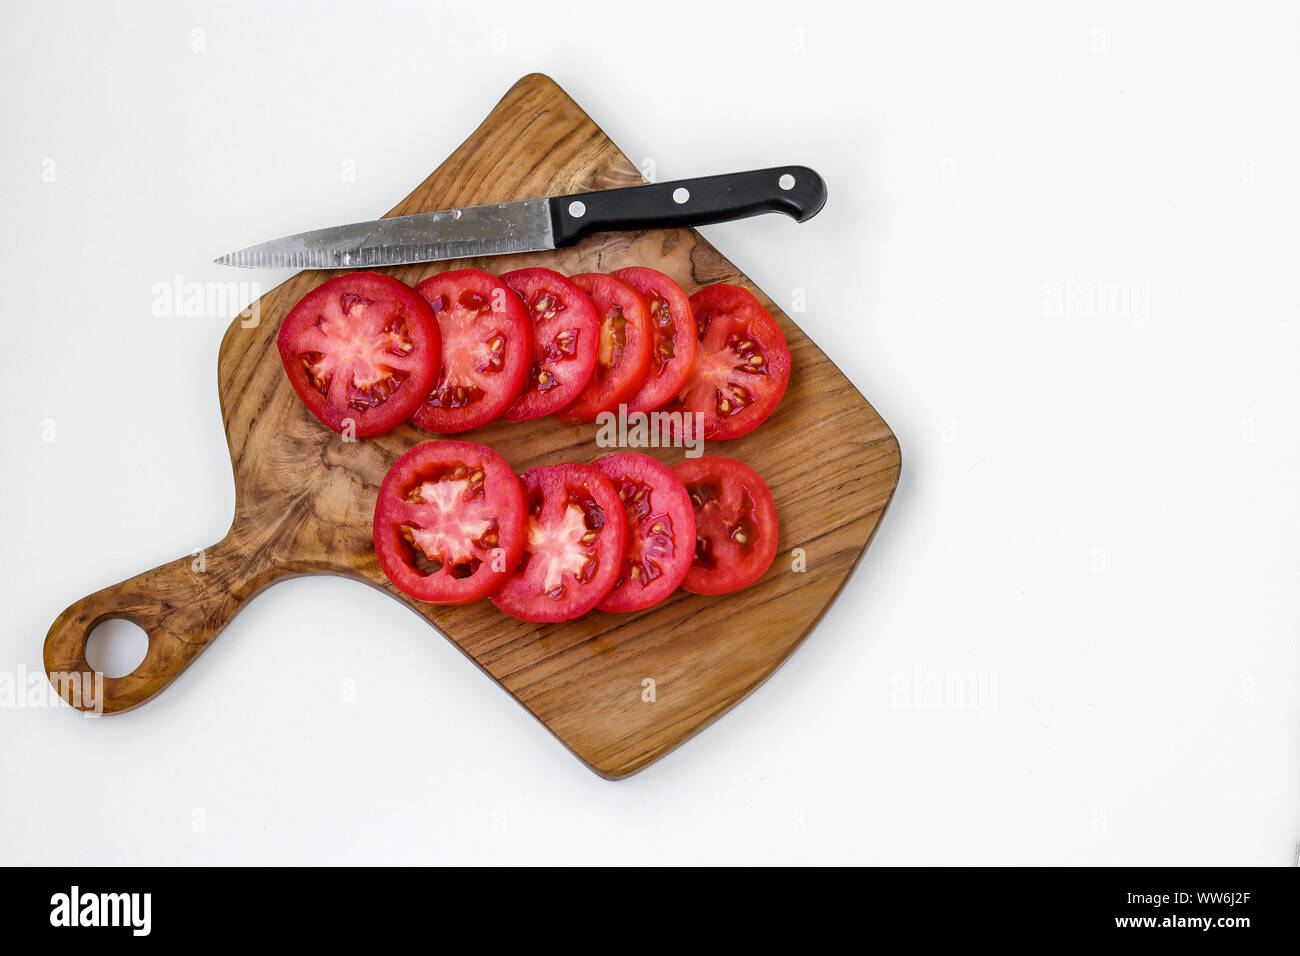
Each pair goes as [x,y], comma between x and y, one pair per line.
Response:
[464,347]
[454,524]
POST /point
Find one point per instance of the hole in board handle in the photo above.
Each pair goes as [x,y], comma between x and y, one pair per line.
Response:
[116,647]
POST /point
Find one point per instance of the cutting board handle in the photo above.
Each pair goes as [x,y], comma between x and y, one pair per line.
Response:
[182,606]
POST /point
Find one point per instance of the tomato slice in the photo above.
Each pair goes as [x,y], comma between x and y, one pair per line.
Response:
[661,530]
[735,524]
[487,350]
[450,522]
[361,348]
[623,349]
[576,536]
[565,330]
[672,333]
[742,364]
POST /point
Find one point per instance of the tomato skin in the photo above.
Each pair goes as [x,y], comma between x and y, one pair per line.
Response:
[331,322]
[561,577]
[453,513]
[735,524]
[623,350]
[655,561]
[673,341]
[565,330]
[477,379]
[742,363]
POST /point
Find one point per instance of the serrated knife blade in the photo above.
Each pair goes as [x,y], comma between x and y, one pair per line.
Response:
[523,226]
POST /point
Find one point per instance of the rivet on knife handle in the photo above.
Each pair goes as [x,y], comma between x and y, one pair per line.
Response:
[796,191]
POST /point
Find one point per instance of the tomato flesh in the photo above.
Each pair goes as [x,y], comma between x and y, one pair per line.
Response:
[487,350]
[622,349]
[576,537]
[565,330]
[742,363]
[661,531]
[450,522]
[361,351]
[672,333]
[735,524]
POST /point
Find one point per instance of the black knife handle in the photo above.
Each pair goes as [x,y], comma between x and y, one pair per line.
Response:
[796,191]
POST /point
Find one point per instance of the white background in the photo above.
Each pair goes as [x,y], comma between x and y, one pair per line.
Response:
[1098,513]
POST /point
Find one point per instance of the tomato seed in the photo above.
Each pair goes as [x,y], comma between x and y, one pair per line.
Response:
[547,306]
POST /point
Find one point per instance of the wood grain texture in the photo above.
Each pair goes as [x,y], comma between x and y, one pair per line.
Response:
[304,497]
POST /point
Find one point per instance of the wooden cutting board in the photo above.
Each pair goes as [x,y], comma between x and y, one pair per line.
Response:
[304,497]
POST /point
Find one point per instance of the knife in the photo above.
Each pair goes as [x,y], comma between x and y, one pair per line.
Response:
[531,225]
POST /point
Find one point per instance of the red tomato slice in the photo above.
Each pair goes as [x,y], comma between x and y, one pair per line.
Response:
[487,350]
[661,531]
[623,349]
[742,364]
[735,524]
[672,332]
[361,348]
[576,536]
[450,522]
[565,330]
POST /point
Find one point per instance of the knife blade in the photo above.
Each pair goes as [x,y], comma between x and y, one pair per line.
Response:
[533,225]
